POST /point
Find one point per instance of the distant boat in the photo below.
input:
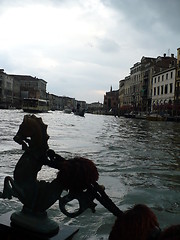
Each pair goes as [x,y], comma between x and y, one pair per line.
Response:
[79,112]
[35,105]
[140,115]
[130,115]
[156,117]
[67,110]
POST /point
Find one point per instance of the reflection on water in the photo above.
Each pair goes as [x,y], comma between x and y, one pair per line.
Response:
[138,162]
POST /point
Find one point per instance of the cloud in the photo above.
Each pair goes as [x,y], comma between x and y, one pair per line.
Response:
[80,47]
[153,20]
[142,13]
[108,45]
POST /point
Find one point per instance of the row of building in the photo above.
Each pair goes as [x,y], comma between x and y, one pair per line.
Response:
[14,88]
[153,85]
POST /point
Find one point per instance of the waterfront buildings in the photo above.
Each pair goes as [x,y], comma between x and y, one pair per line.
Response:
[153,84]
[14,88]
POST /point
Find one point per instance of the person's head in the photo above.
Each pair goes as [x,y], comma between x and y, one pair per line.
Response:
[137,223]
[171,233]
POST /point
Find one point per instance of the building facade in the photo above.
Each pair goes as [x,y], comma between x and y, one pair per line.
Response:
[95,108]
[6,90]
[14,88]
[136,90]
[28,87]
[147,70]
[121,109]
[136,86]
[177,85]
[163,90]
[124,96]
[111,102]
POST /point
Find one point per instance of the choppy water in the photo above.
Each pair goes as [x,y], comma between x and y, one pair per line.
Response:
[138,162]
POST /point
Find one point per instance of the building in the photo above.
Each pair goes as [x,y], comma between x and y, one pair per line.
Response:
[163,90]
[31,87]
[124,96]
[135,92]
[26,86]
[121,97]
[55,102]
[147,70]
[136,86]
[6,90]
[111,100]
[95,108]
[127,93]
[80,104]
[14,88]
[17,101]
[177,86]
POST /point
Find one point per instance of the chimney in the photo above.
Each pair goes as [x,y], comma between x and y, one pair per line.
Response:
[172,55]
[164,54]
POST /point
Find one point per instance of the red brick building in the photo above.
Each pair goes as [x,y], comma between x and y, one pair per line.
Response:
[111,102]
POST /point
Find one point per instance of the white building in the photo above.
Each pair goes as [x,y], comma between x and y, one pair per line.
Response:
[163,88]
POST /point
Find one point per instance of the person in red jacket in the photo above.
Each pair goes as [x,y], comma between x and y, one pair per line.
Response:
[140,223]
[137,223]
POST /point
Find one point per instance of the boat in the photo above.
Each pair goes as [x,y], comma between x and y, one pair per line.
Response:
[129,115]
[156,117]
[140,115]
[79,112]
[35,105]
[67,110]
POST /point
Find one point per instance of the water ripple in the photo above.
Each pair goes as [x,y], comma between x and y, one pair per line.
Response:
[138,162]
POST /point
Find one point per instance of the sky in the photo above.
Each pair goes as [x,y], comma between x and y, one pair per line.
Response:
[83,47]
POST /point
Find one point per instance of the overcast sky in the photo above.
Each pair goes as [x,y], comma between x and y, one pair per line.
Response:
[82,47]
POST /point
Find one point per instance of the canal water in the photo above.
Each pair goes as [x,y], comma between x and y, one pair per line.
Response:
[138,162]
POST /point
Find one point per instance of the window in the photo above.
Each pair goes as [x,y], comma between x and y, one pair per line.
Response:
[171,74]
[166,89]
[162,77]
[154,91]
[8,85]
[155,80]
[159,79]
[179,73]
[158,90]
[166,76]
[170,88]
[162,89]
